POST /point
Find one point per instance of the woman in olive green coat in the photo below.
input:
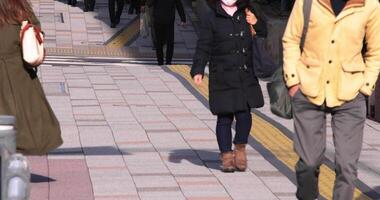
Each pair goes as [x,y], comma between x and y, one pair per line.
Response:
[21,94]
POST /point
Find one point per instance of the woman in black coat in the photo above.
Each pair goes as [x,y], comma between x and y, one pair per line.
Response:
[225,43]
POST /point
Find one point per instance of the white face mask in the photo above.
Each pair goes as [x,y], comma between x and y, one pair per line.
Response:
[229,2]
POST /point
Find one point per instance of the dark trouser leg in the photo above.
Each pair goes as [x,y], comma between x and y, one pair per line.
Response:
[348,125]
[111,9]
[243,127]
[86,5]
[154,40]
[131,6]
[161,38]
[309,143]
[224,133]
[92,5]
[120,7]
[169,43]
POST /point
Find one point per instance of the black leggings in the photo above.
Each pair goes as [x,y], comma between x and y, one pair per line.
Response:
[224,132]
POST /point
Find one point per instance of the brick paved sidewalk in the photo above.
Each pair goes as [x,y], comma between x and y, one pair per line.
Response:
[70,31]
[135,132]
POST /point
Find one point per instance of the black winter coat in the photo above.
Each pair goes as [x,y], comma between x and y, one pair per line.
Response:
[226,43]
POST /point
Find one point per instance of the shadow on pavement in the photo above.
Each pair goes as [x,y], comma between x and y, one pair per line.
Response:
[35,178]
[209,159]
[90,151]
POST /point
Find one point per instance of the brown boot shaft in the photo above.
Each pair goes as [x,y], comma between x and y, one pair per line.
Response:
[228,162]
[240,157]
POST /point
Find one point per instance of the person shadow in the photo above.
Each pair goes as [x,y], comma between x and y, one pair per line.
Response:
[199,157]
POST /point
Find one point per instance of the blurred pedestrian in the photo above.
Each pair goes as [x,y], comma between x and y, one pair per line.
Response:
[21,93]
[135,7]
[147,8]
[331,76]
[115,15]
[225,42]
[163,19]
[89,5]
[72,2]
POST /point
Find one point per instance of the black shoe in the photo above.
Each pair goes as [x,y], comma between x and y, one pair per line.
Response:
[85,10]
[113,25]
[168,63]
[117,21]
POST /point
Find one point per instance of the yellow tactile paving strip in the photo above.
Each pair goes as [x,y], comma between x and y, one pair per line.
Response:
[126,35]
[274,140]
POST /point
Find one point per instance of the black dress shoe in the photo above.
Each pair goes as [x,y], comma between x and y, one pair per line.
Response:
[113,25]
[117,21]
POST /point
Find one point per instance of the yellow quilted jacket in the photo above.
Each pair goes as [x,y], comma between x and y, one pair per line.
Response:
[331,67]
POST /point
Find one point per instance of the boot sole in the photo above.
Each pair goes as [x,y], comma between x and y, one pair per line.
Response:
[228,170]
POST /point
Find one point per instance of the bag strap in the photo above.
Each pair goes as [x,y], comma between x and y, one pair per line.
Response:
[36,29]
[307,4]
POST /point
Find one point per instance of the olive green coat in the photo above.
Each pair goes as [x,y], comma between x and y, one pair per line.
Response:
[21,95]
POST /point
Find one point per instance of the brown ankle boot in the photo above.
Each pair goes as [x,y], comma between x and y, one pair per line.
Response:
[240,157]
[228,163]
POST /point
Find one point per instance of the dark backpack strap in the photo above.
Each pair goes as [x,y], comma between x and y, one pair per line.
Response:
[307,4]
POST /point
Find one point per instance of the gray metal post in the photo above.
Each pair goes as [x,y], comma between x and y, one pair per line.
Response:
[7,147]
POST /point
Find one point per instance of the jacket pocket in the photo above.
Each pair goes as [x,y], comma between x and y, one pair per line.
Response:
[350,81]
[309,72]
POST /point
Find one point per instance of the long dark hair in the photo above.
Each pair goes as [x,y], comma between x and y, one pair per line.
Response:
[14,11]
[239,3]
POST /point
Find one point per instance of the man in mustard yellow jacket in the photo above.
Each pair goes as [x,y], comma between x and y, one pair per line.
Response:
[331,75]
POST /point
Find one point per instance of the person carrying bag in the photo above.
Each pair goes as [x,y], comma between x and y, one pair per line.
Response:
[21,93]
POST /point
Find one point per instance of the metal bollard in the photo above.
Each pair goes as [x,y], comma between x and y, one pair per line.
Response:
[7,148]
[17,178]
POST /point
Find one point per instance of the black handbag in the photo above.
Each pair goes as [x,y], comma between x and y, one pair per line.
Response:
[263,63]
[280,100]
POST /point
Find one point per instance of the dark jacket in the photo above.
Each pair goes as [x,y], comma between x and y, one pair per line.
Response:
[164,10]
[226,43]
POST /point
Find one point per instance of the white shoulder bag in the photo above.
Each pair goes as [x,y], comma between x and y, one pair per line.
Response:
[32,43]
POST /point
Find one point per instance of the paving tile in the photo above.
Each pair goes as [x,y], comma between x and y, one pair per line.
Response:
[75,186]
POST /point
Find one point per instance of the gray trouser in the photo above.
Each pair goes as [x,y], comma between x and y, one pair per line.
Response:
[310,144]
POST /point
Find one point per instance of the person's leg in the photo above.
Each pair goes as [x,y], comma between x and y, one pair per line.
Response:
[92,5]
[243,128]
[86,6]
[309,144]
[131,7]
[160,33]
[224,138]
[169,43]
[153,32]
[348,126]
[224,132]
[137,6]
[120,7]
[111,9]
